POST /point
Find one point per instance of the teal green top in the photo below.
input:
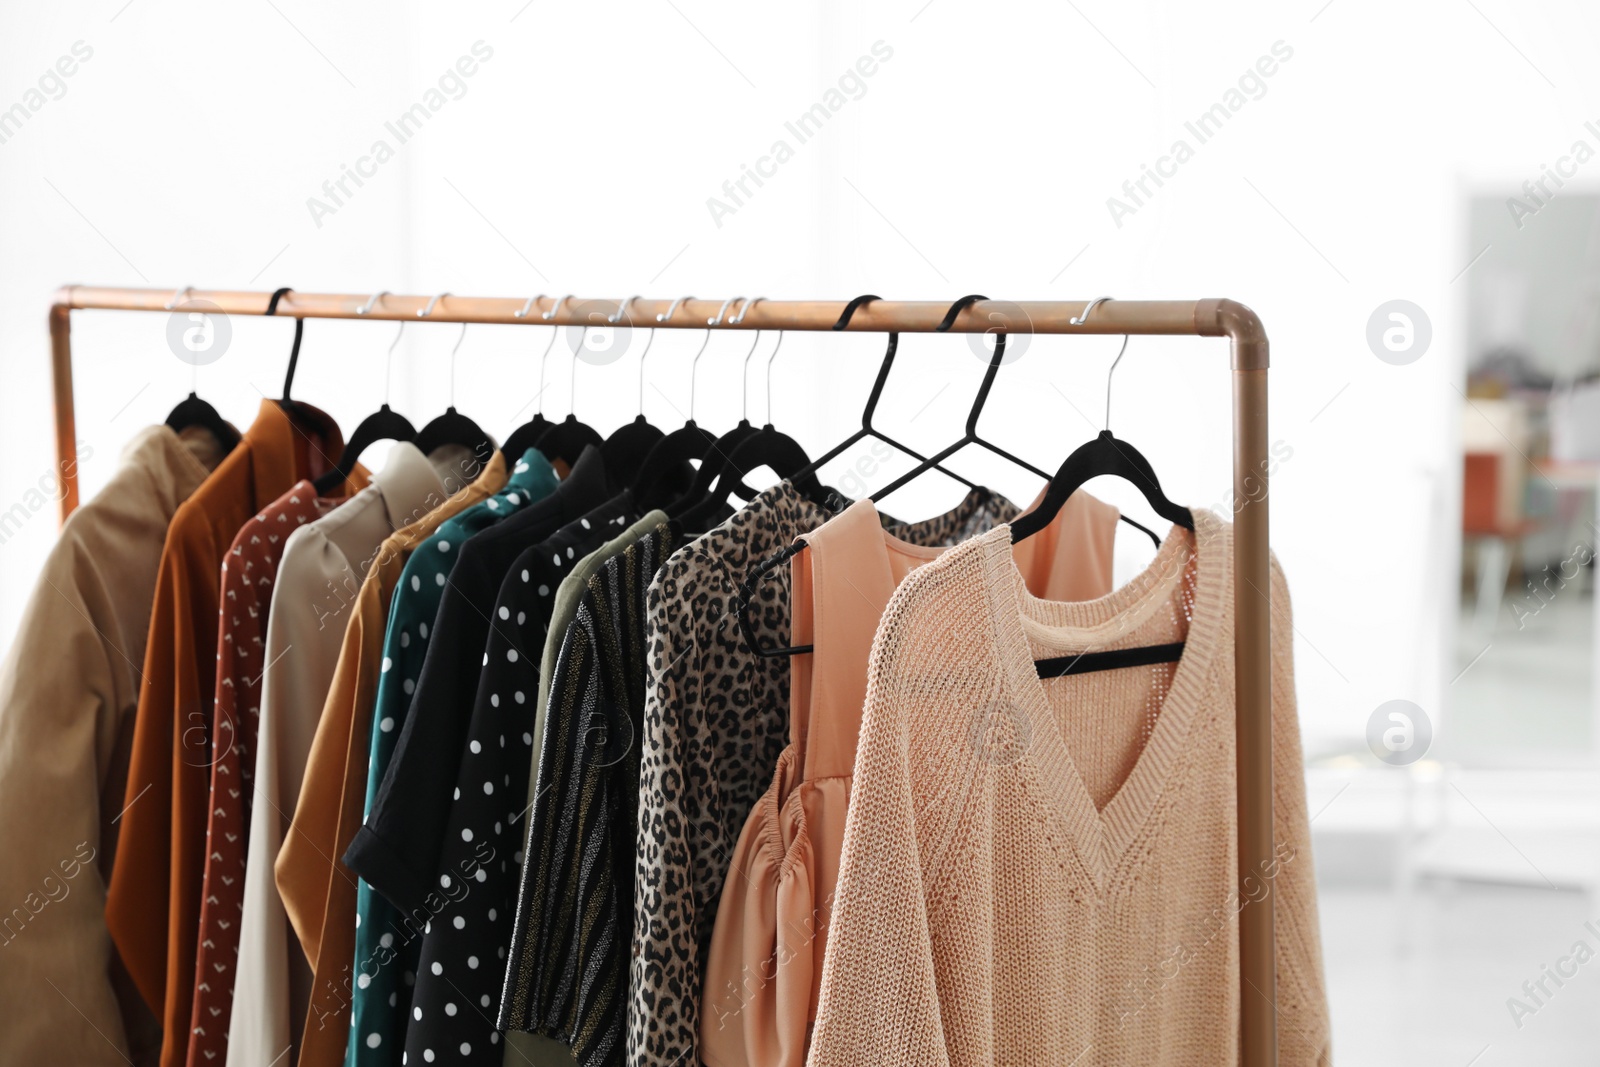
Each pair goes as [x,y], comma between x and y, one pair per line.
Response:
[387,943]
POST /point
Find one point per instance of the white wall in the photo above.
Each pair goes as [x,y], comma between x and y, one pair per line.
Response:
[979,159]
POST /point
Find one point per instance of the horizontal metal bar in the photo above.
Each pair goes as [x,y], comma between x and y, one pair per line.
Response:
[1209,318]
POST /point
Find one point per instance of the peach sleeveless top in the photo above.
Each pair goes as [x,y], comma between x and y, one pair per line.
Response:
[764,969]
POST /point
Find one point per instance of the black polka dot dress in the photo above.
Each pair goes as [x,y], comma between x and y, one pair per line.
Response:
[456,998]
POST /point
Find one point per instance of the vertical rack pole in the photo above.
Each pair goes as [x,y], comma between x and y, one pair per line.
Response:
[1252,586]
[66,419]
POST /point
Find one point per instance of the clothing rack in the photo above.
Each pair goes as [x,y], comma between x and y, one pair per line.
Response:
[1202,318]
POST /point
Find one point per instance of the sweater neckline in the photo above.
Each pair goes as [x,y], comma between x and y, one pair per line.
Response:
[1102,836]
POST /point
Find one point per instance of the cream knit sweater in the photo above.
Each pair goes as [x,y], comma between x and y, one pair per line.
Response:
[1043,871]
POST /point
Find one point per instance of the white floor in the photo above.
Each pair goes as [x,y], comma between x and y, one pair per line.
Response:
[1443,888]
[1442,999]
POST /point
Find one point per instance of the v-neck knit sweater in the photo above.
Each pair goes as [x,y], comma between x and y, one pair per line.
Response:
[1044,871]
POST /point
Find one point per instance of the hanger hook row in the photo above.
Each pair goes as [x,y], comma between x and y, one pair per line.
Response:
[177,298]
[1090,306]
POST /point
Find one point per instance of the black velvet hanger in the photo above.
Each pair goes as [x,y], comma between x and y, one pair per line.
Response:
[194,412]
[385,424]
[524,436]
[453,428]
[625,450]
[191,411]
[698,496]
[1101,456]
[767,447]
[565,441]
[628,446]
[651,486]
[699,499]
[689,442]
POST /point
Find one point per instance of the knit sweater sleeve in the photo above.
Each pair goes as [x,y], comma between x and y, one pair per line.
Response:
[879,1002]
[1303,1028]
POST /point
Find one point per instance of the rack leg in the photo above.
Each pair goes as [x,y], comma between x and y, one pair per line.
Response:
[66,421]
[1252,585]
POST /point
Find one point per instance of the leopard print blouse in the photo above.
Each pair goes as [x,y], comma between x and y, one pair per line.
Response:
[715,719]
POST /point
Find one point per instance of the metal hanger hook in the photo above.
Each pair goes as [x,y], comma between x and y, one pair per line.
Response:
[617,317]
[1079,321]
[672,308]
[424,313]
[548,315]
[572,375]
[462,336]
[388,358]
[1090,306]
[744,381]
[716,320]
[397,335]
[544,359]
[1120,352]
[694,367]
[744,310]
[666,316]
[194,368]
[522,312]
[769,374]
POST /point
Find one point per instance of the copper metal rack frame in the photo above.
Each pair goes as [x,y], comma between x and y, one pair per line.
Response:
[1203,318]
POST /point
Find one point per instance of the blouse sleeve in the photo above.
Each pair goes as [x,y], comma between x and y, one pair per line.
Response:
[879,1001]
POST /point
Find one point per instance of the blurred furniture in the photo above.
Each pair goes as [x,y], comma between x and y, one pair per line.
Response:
[1492,524]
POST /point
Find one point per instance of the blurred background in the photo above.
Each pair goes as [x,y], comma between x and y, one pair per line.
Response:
[1409,196]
